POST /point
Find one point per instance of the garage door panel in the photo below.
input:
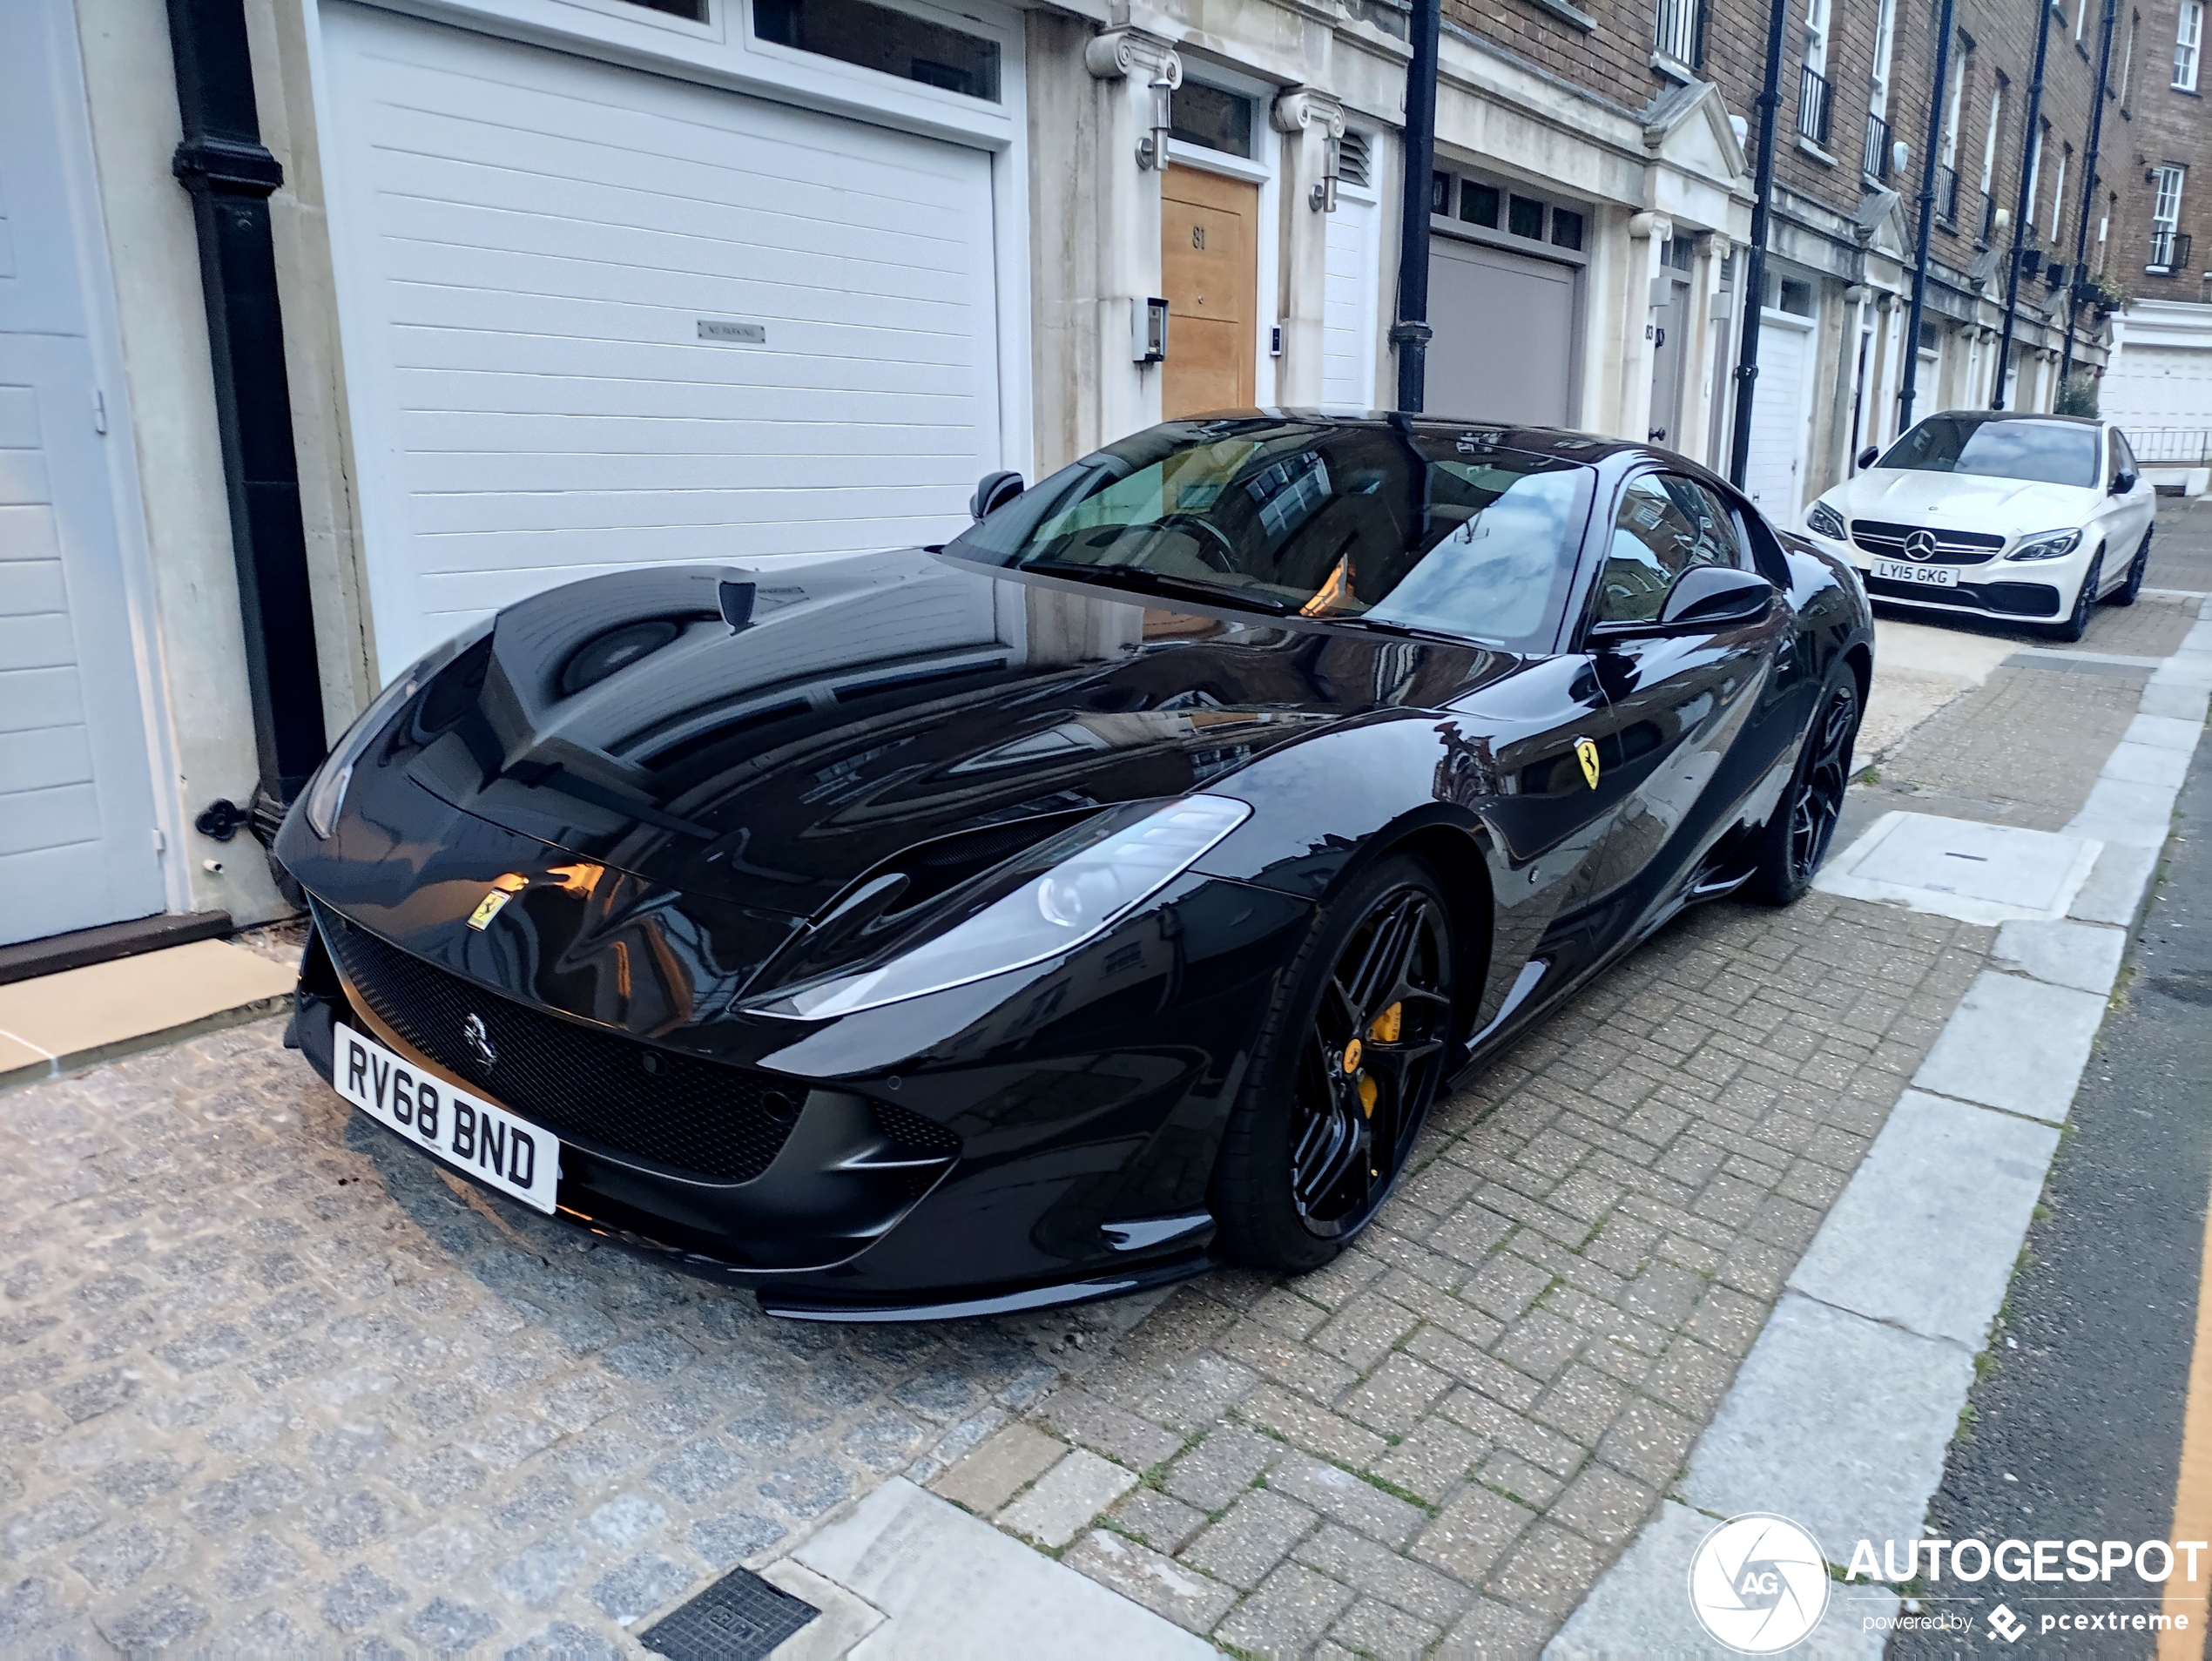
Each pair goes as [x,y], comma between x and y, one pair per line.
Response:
[1503,349]
[530,241]
[35,698]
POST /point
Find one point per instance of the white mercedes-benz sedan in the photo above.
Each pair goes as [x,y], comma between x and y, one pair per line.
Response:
[2025,517]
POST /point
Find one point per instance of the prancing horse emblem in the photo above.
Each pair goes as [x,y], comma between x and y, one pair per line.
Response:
[479,1039]
[1921,545]
[1587,752]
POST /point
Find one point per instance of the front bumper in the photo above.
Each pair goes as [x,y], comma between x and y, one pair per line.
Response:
[889,1171]
[2022,591]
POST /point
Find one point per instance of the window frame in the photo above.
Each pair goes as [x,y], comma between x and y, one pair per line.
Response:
[2188,38]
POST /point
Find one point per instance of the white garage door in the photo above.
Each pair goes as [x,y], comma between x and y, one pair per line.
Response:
[1504,348]
[77,812]
[2154,386]
[1774,468]
[595,317]
[1348,330]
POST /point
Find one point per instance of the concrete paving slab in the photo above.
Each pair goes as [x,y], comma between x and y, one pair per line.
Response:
[2148,764]
[1961,867]
[1838,1422]
[91,1011]
[1926,1233]
[2115,886]
[1641,1608]
[2065,953]
[2177,700]
[2165,733]
[2118,811]
[2185,668]
[842,1621]
[951,1585]
[2016,1044]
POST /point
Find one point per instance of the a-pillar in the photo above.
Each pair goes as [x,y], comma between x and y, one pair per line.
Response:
[1311,121]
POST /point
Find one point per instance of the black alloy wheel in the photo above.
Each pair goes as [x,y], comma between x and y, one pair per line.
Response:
[1796,838]
[1345,1077]
[2126,593]
[2085,601]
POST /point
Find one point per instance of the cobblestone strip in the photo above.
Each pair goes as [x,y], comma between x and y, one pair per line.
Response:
[269,1384]
[1447,1435]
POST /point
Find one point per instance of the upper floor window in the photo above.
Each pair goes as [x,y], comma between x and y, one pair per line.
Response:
[1678,31]
[2189,42]
[2128,59]
[2168,247]
[877,38]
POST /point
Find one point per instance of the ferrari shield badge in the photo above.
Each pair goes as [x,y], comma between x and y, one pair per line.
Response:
[1586,752]
[488,908]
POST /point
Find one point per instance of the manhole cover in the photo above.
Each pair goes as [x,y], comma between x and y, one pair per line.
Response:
[740,1617]
[1962,868]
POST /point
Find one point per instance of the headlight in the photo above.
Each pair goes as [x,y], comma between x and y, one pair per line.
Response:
[1823,521]
[2047,545]
[326,791]
[1078,898]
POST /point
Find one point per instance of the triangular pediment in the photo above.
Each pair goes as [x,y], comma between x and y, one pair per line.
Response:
[1689,127]
[1882,225]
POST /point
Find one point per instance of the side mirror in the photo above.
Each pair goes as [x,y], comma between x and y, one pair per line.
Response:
[2123,482]
[1705,598]
[1866,456]
[994,491]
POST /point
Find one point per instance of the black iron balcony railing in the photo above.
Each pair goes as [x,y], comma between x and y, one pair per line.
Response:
[1677,31]
[1875,158]
[1948,195]
[1988,217]
[1812,107]
[2169,252]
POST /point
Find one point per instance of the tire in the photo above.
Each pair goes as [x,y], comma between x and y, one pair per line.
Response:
[1796,839]
[2126,593]
[1313,1145]
[2085,601]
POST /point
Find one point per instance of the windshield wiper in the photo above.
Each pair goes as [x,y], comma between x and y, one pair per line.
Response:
[1403,630]
[1157,582]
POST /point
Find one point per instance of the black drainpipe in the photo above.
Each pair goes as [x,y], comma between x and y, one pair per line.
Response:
[230,173]
[1754,294]
[2030,150]
[1911,379]
[1411,333]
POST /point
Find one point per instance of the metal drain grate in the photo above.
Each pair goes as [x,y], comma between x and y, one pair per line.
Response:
[740,1617]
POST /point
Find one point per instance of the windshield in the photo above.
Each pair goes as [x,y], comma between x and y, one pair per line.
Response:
[2042,452]
[1375,522]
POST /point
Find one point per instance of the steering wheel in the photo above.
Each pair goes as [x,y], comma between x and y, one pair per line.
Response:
[1222,557]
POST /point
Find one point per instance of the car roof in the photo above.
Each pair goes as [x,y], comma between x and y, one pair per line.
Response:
[1564,443]
[1979,416]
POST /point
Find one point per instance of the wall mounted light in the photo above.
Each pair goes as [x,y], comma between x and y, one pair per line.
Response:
[1152,148]
[1323,196]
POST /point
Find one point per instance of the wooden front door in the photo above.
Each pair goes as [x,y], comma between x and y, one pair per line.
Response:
[1210,275]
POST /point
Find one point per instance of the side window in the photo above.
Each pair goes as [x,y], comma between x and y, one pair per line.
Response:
[2128,463]
[1666,525]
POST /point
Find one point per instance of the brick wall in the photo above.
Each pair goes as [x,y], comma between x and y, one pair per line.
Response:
[2159,124]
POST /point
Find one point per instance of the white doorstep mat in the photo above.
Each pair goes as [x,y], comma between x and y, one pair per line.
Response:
[1962,868]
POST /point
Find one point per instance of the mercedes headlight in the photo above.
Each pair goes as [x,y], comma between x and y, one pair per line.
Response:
[1097,875]
[2047,545]
[1823,521]
[326,791]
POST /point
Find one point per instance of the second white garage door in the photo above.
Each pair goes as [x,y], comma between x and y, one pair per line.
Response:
[595,317]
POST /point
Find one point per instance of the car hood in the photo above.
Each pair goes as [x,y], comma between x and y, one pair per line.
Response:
[770,736]
[1964,501]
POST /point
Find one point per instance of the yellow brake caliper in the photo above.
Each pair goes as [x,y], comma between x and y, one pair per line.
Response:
[1384,1031]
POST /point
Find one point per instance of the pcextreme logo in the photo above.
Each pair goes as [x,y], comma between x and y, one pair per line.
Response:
[1758,1584]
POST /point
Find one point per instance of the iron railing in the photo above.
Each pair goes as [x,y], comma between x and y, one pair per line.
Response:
[2169,251]
[1812,107]
[1875,158]
[1988,218]
[1948,195]
[1677,30]
[2171,446]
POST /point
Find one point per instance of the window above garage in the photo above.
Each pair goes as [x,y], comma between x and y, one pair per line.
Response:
[877,38]
[1511,215]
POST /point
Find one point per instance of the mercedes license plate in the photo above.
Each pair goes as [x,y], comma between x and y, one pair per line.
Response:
[1904,571]
[461,1127]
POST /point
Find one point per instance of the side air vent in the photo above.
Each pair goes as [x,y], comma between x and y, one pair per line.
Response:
[1354,162]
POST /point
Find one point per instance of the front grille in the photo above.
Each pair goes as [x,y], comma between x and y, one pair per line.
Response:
[1952,547]
[723,1123]
[2016,599]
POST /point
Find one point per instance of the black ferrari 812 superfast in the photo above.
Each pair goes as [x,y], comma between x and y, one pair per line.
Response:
[1107,893]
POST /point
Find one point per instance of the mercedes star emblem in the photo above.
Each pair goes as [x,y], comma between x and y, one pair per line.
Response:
[480,1043]
[1921,545]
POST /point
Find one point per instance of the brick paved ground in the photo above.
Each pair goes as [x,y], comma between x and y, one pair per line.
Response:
[1450,1433]
[269,1383]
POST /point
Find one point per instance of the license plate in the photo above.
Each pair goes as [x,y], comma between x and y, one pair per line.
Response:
[1904,571]
[462,1127]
